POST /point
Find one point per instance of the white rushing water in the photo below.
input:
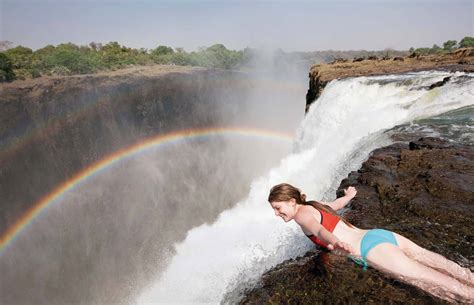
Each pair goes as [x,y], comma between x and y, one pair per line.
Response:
[337,134]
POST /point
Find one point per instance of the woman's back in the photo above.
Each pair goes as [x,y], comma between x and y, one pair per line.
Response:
[351,235]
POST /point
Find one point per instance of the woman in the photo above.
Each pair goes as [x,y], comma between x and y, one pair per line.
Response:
[381,249]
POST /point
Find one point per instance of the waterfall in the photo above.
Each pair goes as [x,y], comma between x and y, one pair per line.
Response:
[340,129]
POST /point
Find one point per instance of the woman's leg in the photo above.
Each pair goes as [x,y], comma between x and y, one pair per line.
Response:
[434,260]
[392,260]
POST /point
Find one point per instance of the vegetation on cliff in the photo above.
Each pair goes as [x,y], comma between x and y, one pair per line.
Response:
[67,58]
[448,46]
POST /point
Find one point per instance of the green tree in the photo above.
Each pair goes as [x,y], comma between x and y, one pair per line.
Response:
[6,68]
[45,51]
[218,56]
[162,50]
[162,55]
[40,57]
[448,45]
[20,56]
[113,55]
[181,58]
[466,42]
[435,49]
[422,51]
[70,59]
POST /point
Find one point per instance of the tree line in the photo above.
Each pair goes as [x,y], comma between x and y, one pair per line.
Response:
[67,58]
[448,46]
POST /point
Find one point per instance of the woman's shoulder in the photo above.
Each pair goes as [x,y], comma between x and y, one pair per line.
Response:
[307,210]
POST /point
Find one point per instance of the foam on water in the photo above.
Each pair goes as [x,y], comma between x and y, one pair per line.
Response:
[338,132]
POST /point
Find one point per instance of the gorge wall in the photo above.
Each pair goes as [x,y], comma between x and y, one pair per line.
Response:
[111,235]
[51,128]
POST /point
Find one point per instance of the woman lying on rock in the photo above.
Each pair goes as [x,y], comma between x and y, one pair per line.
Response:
[384,250]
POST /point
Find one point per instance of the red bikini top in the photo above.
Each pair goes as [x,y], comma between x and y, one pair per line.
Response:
[329,222]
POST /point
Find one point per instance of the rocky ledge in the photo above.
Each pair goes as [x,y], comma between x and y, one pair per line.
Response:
[422,189]
[321,75]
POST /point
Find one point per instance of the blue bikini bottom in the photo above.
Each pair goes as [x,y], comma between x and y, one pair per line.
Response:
[371,239]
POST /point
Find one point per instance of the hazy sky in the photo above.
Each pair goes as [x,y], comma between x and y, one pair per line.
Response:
[290,25]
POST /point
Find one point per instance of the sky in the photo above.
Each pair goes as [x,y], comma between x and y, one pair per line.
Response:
[289,25]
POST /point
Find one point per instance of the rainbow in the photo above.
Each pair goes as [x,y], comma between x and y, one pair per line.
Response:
[157,141]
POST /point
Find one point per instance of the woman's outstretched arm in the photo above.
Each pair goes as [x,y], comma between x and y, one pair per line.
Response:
[341,202]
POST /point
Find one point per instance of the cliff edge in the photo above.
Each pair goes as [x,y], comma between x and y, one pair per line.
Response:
[321,75]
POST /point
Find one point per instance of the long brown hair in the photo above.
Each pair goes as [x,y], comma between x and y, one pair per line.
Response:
[285,191]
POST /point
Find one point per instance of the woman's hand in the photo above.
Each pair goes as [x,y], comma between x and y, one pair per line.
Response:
[341,202]
[350,191]
[341,248]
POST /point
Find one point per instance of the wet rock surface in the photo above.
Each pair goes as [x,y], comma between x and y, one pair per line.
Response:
[421,189]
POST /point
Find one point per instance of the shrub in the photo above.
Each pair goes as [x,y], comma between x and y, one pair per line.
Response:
[6,69]
[466,42]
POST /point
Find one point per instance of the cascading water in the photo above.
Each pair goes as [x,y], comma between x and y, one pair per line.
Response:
[348,121]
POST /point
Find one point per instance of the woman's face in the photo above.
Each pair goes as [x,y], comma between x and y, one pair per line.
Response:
[284,209]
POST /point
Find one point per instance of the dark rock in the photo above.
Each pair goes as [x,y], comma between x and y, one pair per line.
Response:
[316,86]
[423,190]
[398,58]
[429,143]
[440,83]
[338,60]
